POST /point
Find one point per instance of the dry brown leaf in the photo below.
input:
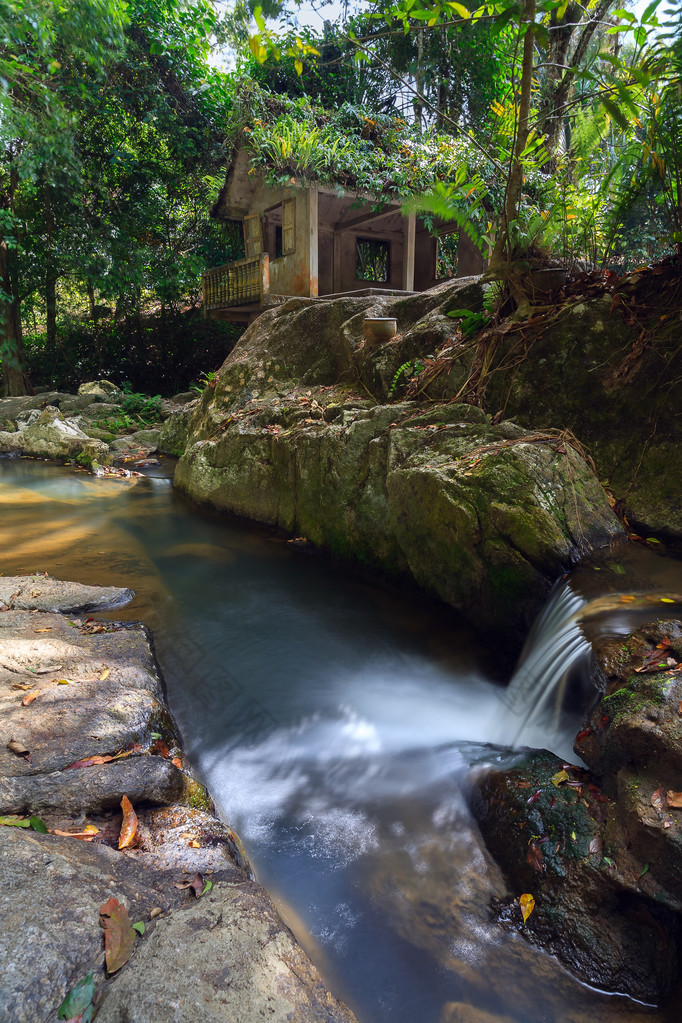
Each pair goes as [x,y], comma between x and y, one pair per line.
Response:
[657,800]
[86,835]
[23,685]
[119,936]
[157,911]
[18,748]
[194,844]
[89,762]
[30,697]
[674,800]
[129,825]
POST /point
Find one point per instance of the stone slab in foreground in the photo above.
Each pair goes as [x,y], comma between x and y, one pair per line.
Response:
[225,956]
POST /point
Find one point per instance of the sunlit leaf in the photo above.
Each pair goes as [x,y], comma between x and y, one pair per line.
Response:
[527,904]
[129,824]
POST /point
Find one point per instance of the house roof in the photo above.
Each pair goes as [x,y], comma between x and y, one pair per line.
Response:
[292,143]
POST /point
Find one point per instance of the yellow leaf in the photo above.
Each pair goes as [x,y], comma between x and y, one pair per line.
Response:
[527,904]
[298,64]
[558,778]
[667,600]
[105,674]
[63,682]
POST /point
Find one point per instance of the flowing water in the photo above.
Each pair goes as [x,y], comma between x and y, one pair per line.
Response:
[337,723]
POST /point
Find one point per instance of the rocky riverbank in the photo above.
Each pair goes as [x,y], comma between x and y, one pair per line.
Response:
[600,849]
[84,727]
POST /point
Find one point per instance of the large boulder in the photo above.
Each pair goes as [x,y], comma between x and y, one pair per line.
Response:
[102,389]
[485,516]
[52,436]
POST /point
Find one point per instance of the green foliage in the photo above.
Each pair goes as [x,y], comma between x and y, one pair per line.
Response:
[471,322]
[382,154]
[152,354]
[406,371]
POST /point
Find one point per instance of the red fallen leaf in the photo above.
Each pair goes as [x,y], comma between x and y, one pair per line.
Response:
[583,735]
[552,802]
[604,721]
[160,749]
[534,857]
[177,762]
[600,797]
[129,824]
[534,798]
[30,697]
[88,762]
[119,936]
[664,644]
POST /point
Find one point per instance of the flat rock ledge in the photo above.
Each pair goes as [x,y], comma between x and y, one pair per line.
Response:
[223,956]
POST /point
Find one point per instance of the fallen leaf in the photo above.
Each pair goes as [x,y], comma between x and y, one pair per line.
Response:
[657,800]
[88,762]
[596,846]
[534,857]
[30,698]
[159,748]
[674,800]
[23,685]
[139,927]
[177,762]
[119,936]
[154,735]
[523,784]
[157,911]
[645,870]
[198,885]
[13,820]
[49,670]
[129,825]
[195,845]
[78,1004]
[534,798]
[43,630]
[18,748]
[105,674]
[527,904]
[63,682]
[583,735]
[38,825]
[558,778]
[86,835]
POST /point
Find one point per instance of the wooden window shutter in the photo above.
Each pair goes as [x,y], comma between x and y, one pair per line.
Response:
[288,226]
[253,235]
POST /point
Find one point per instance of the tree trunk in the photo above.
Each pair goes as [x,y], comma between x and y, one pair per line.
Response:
[11,342]
[515,179]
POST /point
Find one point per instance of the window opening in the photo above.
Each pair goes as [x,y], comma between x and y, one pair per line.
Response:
[447,246]
[371,260]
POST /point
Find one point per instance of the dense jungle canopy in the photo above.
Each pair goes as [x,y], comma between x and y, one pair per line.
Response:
[544,128]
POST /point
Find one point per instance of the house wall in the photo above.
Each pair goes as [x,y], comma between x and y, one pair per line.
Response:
[470,261]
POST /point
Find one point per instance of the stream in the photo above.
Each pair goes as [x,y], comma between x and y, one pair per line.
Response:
[336,723]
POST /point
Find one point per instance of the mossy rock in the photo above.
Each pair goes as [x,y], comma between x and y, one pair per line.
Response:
[551,842]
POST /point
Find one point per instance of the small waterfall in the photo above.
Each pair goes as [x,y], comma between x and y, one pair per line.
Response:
[555,645]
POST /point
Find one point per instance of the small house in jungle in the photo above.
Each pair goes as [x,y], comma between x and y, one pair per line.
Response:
[321,238]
